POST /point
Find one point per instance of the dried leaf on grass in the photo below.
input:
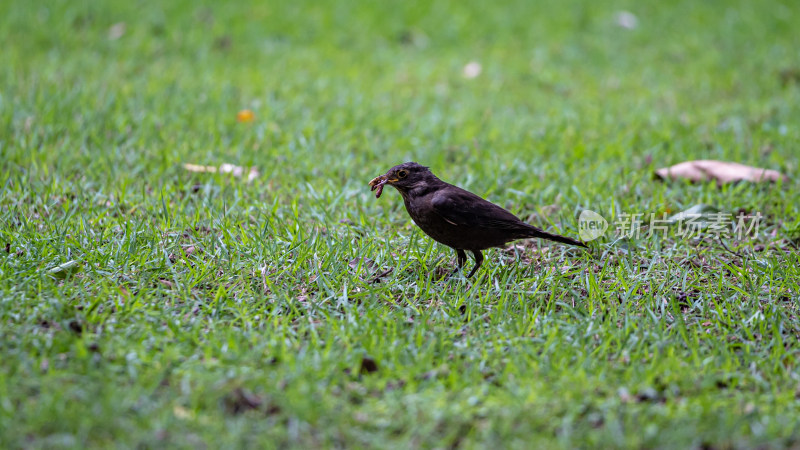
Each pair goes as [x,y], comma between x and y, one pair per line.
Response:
[720,171]
[238,171]
[245,115]
[65,270]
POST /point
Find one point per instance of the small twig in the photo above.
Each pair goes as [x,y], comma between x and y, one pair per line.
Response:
[725,246]
[377,278]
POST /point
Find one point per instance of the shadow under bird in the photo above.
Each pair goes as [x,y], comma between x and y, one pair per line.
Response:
[456,217]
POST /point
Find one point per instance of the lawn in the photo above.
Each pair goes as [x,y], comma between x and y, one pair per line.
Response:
[146,305]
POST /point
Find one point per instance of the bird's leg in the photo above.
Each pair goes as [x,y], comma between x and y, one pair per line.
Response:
[461,259]
[478,260]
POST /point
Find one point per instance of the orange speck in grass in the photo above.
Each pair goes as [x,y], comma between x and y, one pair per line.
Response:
[245,115]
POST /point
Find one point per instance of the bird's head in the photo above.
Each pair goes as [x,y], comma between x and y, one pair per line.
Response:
[403,177]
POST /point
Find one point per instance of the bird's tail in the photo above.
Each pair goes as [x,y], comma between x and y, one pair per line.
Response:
[539,233]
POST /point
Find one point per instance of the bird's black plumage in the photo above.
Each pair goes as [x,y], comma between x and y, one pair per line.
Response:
[456,217]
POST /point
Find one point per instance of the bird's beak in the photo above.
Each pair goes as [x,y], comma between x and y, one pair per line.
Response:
[378,183]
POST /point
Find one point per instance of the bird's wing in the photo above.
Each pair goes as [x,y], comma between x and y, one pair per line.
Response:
[463,208]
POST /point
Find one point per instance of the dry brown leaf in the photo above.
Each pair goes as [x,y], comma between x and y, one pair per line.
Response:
[245,115]
[719,171]
[124,291]
[237,171]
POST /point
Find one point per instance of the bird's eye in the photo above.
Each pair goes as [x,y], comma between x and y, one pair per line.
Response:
[402,173]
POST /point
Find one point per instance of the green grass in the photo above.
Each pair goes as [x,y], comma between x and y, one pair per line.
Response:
[205,310]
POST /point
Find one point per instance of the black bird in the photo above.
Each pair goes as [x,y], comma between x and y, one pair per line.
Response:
[455,217]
